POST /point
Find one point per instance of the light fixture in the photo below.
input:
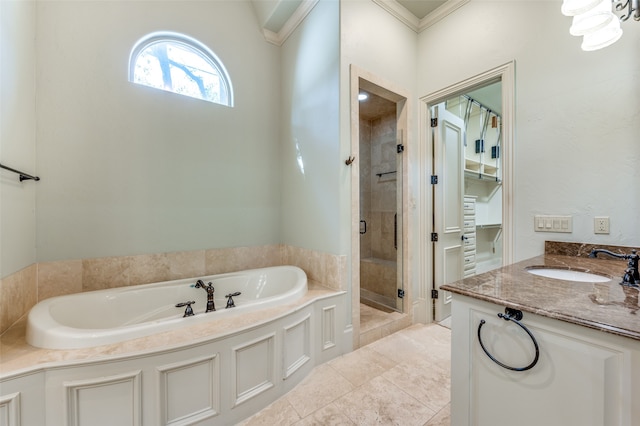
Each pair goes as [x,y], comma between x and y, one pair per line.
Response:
[576,7]
[595,21]
[602,37]
[363,96]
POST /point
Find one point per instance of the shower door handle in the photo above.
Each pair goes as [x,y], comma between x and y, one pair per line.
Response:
[363,231]
[395,231]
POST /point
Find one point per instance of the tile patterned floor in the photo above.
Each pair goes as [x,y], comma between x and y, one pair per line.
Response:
[401,379]
[376,324]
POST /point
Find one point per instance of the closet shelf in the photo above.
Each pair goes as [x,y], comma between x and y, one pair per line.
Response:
[483,177]
[488,225]
[481,171]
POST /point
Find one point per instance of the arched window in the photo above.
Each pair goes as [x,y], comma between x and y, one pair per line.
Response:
[180,64]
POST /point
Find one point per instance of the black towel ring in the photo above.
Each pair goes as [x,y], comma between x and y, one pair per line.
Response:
[515,316]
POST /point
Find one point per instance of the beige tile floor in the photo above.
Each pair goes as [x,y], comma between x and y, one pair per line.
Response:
[376,323]
[401,379]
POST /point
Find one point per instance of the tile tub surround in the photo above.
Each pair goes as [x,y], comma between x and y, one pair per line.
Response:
[607,306]
[18,293]
[48,279]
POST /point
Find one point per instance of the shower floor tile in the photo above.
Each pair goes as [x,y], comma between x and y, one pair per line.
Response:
[371,318]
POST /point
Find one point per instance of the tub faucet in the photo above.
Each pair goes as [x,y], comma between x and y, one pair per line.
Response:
[188,312]
[631,276]
[209,289]
[230,302]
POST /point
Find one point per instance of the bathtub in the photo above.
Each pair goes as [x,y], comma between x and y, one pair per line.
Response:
[109,316]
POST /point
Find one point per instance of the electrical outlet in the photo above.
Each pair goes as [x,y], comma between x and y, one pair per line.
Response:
[601,225]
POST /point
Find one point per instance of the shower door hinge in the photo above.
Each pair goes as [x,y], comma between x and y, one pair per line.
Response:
[434,294]
[400,148]
[434,122]
[434,236]
[434,179]
[401,293]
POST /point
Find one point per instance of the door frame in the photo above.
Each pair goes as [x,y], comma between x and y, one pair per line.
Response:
[402,99]
[506,74]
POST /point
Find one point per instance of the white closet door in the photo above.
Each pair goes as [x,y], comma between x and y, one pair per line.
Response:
[448,206]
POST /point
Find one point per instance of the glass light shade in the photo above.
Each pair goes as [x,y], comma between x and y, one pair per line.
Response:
[576,7]
[603,37]
[588,22]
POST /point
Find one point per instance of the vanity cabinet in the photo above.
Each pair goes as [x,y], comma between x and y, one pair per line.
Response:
[583,376]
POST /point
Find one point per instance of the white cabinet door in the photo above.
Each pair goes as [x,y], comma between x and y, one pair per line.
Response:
[583,377]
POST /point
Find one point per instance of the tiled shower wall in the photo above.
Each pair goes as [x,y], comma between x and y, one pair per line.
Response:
[378,204]
[378,193]
[20,291]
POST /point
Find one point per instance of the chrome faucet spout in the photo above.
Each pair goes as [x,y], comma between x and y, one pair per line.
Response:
[210,290]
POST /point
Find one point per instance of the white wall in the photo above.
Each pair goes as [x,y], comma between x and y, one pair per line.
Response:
[17,135]
[577,149]
[127,169]
[312,173]
[130,170]
[377,43]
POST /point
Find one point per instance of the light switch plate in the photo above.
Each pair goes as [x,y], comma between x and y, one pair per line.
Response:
[550,223]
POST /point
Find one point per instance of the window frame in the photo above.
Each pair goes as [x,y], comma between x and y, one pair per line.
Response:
[191,44]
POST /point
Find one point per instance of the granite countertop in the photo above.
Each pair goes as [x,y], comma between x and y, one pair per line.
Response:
[17,356]
[606,306]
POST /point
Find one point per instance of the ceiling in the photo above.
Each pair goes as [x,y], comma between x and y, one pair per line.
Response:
[376,106]
[421,8]
[278,18]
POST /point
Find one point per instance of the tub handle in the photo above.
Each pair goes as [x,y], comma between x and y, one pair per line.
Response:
[230,302]
[188,310]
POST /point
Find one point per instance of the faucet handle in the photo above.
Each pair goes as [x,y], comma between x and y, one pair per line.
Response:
[230,302]
[188,311]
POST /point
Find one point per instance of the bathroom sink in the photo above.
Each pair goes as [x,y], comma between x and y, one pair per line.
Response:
[568,275]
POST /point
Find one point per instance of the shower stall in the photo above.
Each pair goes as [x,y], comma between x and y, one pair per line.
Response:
[380,205]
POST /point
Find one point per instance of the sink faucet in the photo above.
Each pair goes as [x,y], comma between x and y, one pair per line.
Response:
[631,276]
[209,289]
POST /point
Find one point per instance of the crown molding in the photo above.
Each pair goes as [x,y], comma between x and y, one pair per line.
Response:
[391,6]
[400,12]
[410,20]
[291,24]
[446,9]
